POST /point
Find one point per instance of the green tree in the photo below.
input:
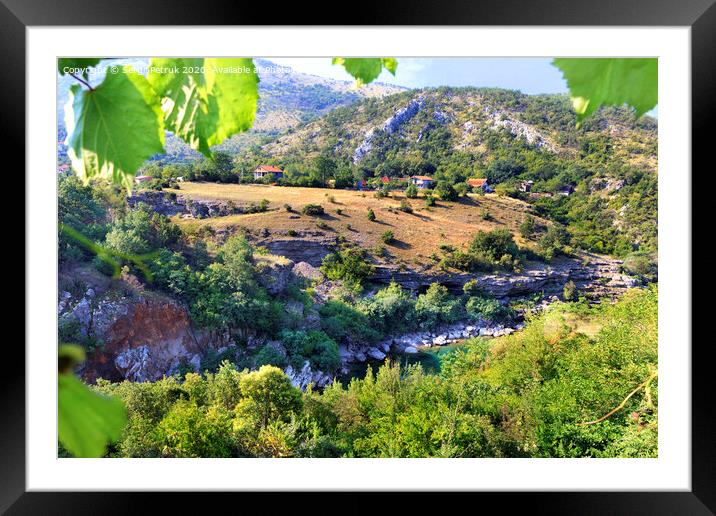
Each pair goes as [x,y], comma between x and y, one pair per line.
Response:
[268,396]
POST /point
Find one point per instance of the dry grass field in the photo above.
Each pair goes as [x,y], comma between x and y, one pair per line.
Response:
[417,235]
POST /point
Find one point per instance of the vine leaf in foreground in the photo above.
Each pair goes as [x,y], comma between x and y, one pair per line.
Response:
[366,69]
[87,421]
[207,100]
[114,128]
[594,82]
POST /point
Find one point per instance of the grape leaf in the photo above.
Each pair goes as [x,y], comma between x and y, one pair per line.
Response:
[208,100]
[594,82]
[114,128]
[76,62]
[68,356]
[87,421]
[366,69]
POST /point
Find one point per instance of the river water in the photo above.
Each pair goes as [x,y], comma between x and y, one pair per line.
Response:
[429,358]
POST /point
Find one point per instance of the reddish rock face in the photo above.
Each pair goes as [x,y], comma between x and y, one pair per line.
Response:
[160,327]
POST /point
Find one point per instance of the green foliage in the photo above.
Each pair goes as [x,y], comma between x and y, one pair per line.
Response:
[141,231]
[267,396]
[387,237]
[494,244]
[315,210]
[541,392]
[642,265]
[391,310]
[113,128]
[405,206]
[79,206]
[436,306]
[528,226]
[206,100]
[270,355]
[598,81]
[346,323]
[189,430]
[366,70]
[86,421]
[569,293]
[371,215]
[411,192]
[554,242]
[349,265]
[445,191]
[486,308]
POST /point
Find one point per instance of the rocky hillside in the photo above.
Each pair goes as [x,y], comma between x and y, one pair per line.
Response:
[599,179]
[464,121]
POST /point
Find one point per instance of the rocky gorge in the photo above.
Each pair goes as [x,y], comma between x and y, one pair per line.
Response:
[143,335]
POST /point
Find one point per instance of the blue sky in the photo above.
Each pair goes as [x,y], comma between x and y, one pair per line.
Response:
[528,75]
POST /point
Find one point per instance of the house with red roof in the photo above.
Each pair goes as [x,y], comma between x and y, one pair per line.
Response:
[267,170]
[479,183]
[422,181]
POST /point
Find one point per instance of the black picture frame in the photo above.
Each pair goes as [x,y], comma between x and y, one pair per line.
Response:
[700,15]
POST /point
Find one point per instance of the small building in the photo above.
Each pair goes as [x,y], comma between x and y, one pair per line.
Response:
[142,179]
[566,190]
[267,170]
[479,183]
[422,181]
[526,186]
[385,180]
[360,184]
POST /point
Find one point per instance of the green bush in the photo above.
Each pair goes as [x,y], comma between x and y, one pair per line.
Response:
[349,265]
[344,323]
[494,244]
[411,192]
[485,308]
[371,215]
[527,226]
[405,206]
[570,291]
[445,191]
[391,310]
[436,306]
[387,237]
[313,209]
[270,355]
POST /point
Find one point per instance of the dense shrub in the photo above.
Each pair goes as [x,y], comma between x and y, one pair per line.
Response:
[494,244]
[313,209]
[391,310]
[387,237]
[344,323]
[349,265]
[445,191]
[436,306]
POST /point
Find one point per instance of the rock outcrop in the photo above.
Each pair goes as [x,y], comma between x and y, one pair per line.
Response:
[169,204]
[138,337]
[389,126]
[311,249]
[306,376]
[593,277]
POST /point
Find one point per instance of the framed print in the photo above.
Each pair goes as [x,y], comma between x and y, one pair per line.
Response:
[386,257]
